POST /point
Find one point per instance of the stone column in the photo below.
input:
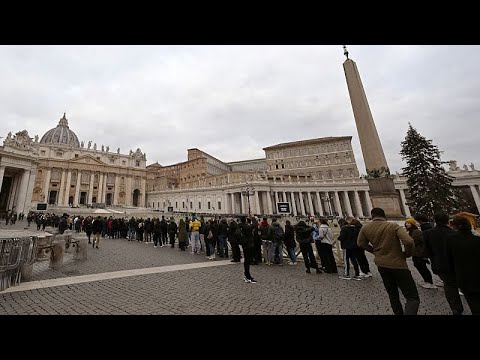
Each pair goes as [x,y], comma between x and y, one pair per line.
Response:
[257,202]
[338,206]
[13,192]
[67,188]
[100,188]
[302,205]
[90,189]
[276,201]
[294,206]
[242,203]
[2,172]
[347,203]
[310,203]
[116,190]
[369,203]
[232,196]
[143,190]
[269,203]
[77,188]
[31,185]
[404,202]
[358,204]
[104,188]
[320,207]
[61,190]
[22,195]
[476,197]
[284,196]
[46,185]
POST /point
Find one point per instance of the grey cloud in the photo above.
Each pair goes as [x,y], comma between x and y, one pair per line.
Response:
[234,100]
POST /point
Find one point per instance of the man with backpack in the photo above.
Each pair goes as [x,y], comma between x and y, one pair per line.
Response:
[277,243]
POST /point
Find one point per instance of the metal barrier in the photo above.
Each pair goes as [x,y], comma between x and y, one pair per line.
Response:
[14,253]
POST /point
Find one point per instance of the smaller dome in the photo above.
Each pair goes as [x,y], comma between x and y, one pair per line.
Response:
[61,135]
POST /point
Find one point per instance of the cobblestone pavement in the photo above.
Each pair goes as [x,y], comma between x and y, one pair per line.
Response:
[210,290]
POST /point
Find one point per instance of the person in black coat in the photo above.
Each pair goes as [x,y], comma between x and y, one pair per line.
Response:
[348,241]
[290,243]
[463,252]
[304,238]
[97,227]
[248,246]
[463,248]
[435,240]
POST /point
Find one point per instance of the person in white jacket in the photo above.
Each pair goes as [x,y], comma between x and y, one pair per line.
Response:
[325,236]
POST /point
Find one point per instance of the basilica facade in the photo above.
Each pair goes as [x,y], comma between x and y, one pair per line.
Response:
[60,170]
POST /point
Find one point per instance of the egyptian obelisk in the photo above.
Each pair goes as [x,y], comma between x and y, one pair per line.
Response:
[382,190]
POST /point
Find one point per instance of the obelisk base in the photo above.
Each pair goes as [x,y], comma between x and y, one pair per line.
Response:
[383,195]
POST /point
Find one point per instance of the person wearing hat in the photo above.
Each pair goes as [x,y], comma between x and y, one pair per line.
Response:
[419,258]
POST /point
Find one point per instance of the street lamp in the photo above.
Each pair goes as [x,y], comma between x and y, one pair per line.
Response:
[327,199]
[248,191]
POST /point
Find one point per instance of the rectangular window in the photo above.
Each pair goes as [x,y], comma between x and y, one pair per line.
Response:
[94,188]
[42,152]
[191,205]
[109,188]
[59,154]
[54,185]
[124,162]
[98,157]
[176,205]
[209,205]
[76,155]
[199,205]
[72,186]
[137,163]
[183,204]
[219,205]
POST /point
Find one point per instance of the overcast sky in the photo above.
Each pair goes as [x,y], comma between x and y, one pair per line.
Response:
[231,101]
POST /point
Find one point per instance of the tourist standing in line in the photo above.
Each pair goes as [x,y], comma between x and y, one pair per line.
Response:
[383,238]
[304,238]
[290,243]
[463,252]
[182,235]
[436,249]
[420,261]
[359,252]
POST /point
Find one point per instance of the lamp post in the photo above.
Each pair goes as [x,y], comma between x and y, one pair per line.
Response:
[327,198]
[248,191]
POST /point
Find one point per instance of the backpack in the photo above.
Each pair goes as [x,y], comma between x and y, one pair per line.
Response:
[278,233]
[239,235]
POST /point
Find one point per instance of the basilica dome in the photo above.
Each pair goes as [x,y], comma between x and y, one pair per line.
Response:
[61,135]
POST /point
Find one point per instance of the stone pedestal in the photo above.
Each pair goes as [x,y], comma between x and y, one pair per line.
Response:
[383,195]
[80,249]
[56,261]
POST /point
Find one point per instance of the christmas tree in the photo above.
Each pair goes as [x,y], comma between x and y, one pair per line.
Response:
[430,188]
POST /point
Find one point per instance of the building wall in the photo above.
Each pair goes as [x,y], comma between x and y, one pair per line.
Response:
[322,158]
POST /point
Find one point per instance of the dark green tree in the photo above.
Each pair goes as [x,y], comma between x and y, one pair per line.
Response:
[430,187]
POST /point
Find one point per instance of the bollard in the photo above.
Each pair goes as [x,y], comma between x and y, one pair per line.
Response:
[27,272]
[68,243]
[80,249]
[56,258]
